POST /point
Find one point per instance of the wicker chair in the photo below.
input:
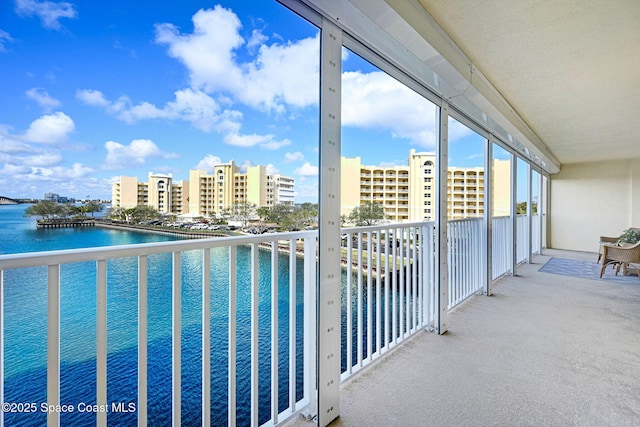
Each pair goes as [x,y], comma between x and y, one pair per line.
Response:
[612,240]
[620,257]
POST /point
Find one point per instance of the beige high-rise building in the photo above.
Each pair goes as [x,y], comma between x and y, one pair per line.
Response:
[205,193]
[408,193]
[159,191]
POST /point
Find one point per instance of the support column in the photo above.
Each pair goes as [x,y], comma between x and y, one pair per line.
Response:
[488,219]
[329,283]
[529,215]
[442,162]
[514,215]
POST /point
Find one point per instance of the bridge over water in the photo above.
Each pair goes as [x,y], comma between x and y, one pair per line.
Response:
[7,201]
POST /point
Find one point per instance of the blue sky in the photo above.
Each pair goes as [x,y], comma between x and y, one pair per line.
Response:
[95,90]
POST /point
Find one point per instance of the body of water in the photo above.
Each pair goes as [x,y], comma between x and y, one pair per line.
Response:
[25,330]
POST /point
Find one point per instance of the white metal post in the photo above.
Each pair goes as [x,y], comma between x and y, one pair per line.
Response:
[101,340]
[310,327]
[1,344]
[488,216]
[529,214]
[329,225]
[514,214]
[176,344]
[442,162]
[206,337]
[143,263]
[53,343]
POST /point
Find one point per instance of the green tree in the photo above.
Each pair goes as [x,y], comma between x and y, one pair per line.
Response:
[45,209]
[240,211]
[134,215]
[521,208]
[143,213]
[369,213]
[92,207]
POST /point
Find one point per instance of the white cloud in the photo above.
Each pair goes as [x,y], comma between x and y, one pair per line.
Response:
[208,162]
[275,145]
[49,12]
[293,157]
[271,169]
[256,39]
[4,38]
[377,101]
[42,98]
[280,74]
[92,97]
[208,51]
[283,75]
[193,106]
[307,191]
[264,141]
[60,173]
[136,153]
[307,169]
[50,129]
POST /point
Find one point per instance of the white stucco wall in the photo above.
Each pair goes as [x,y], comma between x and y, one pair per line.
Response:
[589,200]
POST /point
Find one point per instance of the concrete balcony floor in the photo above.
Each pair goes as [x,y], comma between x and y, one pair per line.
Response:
[544,350]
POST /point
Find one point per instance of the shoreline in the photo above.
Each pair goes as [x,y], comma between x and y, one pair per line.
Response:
[205,234]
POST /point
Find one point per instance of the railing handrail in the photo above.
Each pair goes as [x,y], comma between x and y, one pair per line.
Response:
[66,256]
[367,228]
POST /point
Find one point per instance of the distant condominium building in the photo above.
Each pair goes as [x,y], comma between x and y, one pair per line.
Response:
[159,191]
[408,193]
[205,192]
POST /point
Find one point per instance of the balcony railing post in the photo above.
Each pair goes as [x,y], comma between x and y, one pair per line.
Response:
[176,344]
[101,340]
[487,248]
[53,343]
[142,340]
[231,393]
[2,399]
[206,337]
[441,219]
[310,327]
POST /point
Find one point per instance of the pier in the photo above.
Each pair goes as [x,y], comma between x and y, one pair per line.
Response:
[65,223]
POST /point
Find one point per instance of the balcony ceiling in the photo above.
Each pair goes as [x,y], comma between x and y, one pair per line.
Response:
[570,70]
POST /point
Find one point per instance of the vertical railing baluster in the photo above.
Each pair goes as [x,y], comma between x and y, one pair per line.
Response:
[255,353]
[231,395]
[359,303]
[387,287]
[53,343]
[401,271]
[394,289]
[206,337]
[101,340]
[142,340]
[310,325]
[378,293]
[292,324]
[369,295]
[176,361]
[274,332]
[414,283]
[2,399]
[349,304]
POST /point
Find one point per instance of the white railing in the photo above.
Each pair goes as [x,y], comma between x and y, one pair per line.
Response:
[536,244]
[501,246]
[146,259]
[388,289]
[389,294]
[466,260]
[522,238]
